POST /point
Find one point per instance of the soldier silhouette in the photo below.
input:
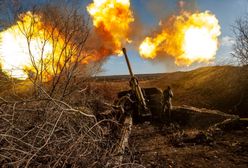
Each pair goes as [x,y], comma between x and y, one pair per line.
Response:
[167,105]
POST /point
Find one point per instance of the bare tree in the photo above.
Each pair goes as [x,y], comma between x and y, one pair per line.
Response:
[49,132]
[240,46]
[65,30]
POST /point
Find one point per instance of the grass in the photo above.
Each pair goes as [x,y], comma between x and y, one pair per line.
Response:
[218,87]
[53,133]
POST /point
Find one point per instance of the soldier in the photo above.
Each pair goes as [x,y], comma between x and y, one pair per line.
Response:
[167,106]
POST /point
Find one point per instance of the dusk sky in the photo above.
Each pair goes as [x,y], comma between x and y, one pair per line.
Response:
[150,12]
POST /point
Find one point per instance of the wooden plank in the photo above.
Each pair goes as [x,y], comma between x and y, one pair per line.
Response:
[122,143]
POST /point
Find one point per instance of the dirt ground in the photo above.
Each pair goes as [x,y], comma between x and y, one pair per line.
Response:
[156,146]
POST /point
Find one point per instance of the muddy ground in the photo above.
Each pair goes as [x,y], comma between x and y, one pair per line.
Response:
[156,146]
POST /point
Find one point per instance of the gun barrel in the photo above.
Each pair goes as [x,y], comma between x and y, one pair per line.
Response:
[134,83]
[128,63]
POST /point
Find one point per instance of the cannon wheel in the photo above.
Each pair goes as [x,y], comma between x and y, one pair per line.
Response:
[154,100]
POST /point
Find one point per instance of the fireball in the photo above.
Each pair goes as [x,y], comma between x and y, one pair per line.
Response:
[148,48]
[188,38]
[20,48]
[31,48]
[112,19]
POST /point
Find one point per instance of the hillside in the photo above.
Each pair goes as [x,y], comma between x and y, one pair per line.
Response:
[49,132]
[218,87]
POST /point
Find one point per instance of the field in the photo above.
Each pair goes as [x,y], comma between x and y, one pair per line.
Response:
[50,132]
[222,87]
[171,146]
[219,87]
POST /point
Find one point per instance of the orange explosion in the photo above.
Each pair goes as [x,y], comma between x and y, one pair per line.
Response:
[111,19]
[188,38]
[31,49]
[15,53]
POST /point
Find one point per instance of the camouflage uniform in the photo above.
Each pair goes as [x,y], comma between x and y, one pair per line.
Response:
[167,105]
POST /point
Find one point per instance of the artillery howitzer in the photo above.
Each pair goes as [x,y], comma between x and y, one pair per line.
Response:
[141,103]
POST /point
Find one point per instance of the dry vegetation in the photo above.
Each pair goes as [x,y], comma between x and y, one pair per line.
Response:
[219,87]
[49,132]
[55,122]
[46,132]
[59,123]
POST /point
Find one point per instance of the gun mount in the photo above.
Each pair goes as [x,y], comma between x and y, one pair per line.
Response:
[141,103]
